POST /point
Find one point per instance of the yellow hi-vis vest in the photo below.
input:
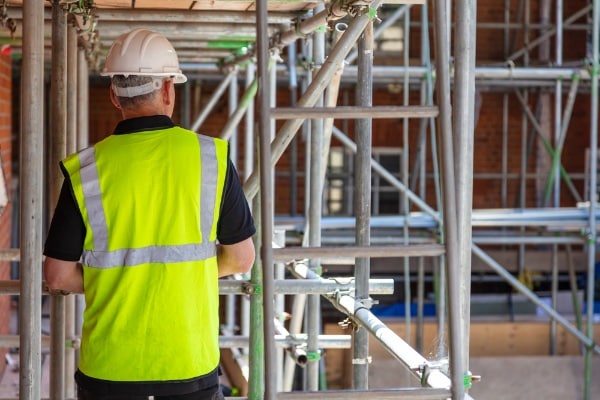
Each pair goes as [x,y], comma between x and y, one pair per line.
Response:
[150,202]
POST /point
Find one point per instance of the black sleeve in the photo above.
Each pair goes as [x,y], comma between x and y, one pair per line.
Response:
[67,230]
[235,223]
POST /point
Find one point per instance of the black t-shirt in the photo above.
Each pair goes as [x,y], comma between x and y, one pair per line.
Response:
[65,242]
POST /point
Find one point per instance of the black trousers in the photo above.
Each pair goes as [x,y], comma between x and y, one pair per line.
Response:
[83,394]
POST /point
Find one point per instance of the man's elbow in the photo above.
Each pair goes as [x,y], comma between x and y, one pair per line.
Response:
[61,276]
[246,263]
[246,267]
[236,259]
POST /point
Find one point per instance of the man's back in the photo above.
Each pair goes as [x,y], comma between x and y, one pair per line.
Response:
[149,257]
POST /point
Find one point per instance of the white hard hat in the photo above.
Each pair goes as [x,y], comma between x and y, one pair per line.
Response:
[143,52]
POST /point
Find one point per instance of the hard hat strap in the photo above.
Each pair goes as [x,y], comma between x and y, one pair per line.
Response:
[134,91]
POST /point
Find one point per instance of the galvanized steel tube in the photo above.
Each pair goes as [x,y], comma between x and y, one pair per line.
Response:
[463,118]
[449,195]
[315,206]
[31,156]
[60,143]
[362,200]
[593,200]
[266,196]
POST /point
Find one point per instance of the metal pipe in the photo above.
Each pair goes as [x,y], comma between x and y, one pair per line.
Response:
[406,181]
[593,199]
[213,100]
[554,297]
[380,394]
[362,250]
[232,100]
[463,117]
[315,89]
[290,286]
[225,341]
[256,355]
[295,325]
[30,156]
[362,200]
[249,123]
[72,110]
[83,103]
[60,139]
[281,286]
[83,100]
[490,76]
[266,197]
[450,219]
[313,313]
[355,112]
[287,340]
[419,366]
[249,149]
[293,93]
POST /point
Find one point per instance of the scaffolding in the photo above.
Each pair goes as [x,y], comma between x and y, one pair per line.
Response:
[447,90]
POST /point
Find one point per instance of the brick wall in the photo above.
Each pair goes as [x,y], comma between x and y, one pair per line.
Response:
[5,216]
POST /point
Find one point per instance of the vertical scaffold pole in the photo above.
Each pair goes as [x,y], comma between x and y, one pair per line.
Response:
[313,315]
[31,150]
[442,47]
[591,242]
[59,140]
[72,89]
[362,200]
[463,116]
[266,198]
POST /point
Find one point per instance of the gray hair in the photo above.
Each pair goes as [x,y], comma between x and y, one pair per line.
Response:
[135,89]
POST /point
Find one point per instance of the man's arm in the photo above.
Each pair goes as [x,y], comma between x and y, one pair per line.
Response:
[235,258]
[63,276]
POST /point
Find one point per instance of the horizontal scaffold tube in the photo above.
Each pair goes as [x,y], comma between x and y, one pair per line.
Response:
[416,250]
[292,286]
[380,394]
[282,286]
[353,112]
[325,341]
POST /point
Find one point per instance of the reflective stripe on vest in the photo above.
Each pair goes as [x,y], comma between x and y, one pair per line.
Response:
[101,257]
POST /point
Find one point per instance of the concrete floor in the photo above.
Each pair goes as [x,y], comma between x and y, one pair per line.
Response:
[510,378]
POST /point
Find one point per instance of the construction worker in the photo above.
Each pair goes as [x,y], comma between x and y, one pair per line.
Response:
[147,221]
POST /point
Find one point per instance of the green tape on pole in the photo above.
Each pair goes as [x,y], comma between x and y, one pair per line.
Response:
[372,13]
[468,381]
[313,356]
[257,289]
[322,28]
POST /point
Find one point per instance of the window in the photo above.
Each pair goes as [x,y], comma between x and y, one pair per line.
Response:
[339,182]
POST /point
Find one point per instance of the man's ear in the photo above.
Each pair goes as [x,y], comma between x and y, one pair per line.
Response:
[113,98]
[166,91]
